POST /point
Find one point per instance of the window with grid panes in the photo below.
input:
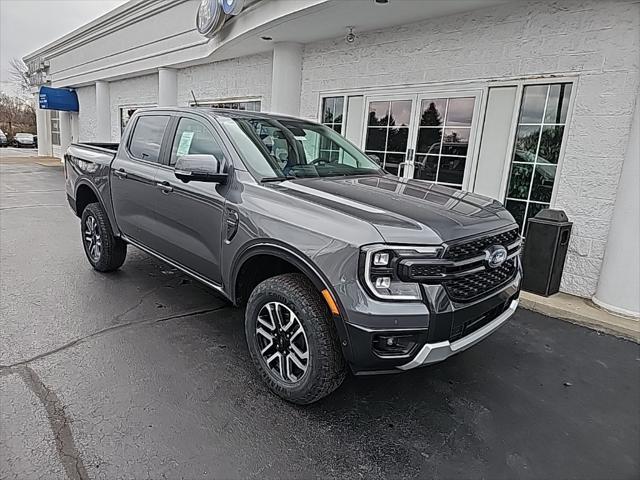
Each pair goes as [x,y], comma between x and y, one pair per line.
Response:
[55,127]
[541,124]
[442,146]
[388,132]
[332,116]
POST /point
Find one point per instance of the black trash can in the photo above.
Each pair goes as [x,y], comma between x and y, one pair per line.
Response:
[545,249]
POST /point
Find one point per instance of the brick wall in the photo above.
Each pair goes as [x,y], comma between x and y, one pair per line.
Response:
[248,76]
[87,113]
[138,91]
[598,40]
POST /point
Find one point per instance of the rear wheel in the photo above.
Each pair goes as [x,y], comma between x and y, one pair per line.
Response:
[104,250]
[292,339]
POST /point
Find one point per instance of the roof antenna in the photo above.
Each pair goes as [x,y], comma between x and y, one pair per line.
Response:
[194,98]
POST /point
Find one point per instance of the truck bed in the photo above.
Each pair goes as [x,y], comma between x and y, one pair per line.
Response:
[99,153]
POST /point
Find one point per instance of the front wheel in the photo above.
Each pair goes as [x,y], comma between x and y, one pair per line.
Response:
[105,251]
[292,339]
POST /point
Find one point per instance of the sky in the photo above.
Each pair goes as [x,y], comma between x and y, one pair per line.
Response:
[27,25]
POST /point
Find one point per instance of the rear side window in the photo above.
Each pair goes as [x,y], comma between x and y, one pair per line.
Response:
[147,137]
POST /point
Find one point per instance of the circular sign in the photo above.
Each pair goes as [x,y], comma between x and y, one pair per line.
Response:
[210,17]
[232,7]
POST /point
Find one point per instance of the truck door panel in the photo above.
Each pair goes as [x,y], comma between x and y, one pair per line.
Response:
[133,179]
[189,215]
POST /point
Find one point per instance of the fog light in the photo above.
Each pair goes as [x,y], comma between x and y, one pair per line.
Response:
[385,345]
[383,282]
[381,259]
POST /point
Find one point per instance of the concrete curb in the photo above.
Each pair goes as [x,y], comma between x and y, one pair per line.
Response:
[582,311]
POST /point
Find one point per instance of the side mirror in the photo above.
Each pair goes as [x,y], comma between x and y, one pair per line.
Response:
[199,168]
[375,158]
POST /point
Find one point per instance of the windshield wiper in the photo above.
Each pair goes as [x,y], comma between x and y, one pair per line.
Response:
[276,179]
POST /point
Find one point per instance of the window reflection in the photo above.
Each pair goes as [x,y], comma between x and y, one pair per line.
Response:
[543,113]
[443,139]
[533,100]
[332,115]
[388,132]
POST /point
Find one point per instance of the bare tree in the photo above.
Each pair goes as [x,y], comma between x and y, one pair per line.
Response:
[19,74]
[16,115]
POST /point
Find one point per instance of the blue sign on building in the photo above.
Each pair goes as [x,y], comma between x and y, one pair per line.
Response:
[64,99]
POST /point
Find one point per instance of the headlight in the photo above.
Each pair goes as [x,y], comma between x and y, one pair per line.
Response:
[379,270]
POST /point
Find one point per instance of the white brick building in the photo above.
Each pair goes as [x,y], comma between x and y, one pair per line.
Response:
[532,103]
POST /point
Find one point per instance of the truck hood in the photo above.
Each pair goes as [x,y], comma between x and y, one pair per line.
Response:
[404,211]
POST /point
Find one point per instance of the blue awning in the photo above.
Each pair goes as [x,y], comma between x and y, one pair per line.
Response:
[64,99]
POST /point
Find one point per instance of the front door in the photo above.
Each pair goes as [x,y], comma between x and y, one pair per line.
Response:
[189,215]
[424,136]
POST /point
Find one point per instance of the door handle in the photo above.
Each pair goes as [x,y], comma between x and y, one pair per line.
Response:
[120,173]
[165,187]
[401,168]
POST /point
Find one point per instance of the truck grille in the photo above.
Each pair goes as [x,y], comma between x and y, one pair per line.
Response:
[474,248]
[470,326]
[470,287]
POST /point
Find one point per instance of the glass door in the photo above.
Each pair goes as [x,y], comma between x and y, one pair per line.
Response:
[444,139]
[388,131]
[423,136]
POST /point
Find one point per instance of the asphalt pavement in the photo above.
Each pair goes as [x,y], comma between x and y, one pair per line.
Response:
[144,373]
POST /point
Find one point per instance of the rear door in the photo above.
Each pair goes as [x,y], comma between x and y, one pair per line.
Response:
[190,215]
[133,172]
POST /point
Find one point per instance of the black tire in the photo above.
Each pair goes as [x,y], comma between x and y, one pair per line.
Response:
[112,251]
[326,367]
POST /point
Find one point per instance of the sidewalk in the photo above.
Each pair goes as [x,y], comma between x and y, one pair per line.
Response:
[582,312]
[13,156]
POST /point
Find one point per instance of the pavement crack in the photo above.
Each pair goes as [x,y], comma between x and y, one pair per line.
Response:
[140,301]
[58,421]
[5,369]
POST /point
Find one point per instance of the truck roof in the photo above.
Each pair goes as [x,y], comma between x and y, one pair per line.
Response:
[226,112]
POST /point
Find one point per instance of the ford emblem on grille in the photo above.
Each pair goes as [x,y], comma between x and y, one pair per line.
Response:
[495,256]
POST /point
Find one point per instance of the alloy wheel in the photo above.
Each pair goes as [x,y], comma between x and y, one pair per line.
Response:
[282,342]
[92,238]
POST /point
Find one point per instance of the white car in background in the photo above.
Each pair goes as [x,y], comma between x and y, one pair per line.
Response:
[24,140]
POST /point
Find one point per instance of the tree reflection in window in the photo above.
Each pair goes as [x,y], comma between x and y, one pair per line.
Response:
[442,145]
[539,135]
[332,117]
[388,132]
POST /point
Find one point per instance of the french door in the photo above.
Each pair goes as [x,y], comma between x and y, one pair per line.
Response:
[427,136]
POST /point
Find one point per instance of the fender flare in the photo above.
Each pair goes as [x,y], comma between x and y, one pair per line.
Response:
[94,189]
[84,182]
[302,263]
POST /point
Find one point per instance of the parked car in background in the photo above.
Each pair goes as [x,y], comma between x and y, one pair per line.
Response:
[339,263]
[35,141]
[3,139]
[23,140]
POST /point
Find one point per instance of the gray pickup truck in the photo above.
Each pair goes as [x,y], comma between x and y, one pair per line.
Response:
[340,264]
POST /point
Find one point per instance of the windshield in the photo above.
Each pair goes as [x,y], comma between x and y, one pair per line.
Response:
[295,148]
[24,135]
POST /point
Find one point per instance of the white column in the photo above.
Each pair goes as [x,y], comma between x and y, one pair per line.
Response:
[65,132]
[103,112]
[75,127]
[43,127]
[619,283]
[167,87]
[286,79]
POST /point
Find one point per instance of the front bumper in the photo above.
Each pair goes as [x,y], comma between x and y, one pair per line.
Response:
[440,326]
[436,352]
